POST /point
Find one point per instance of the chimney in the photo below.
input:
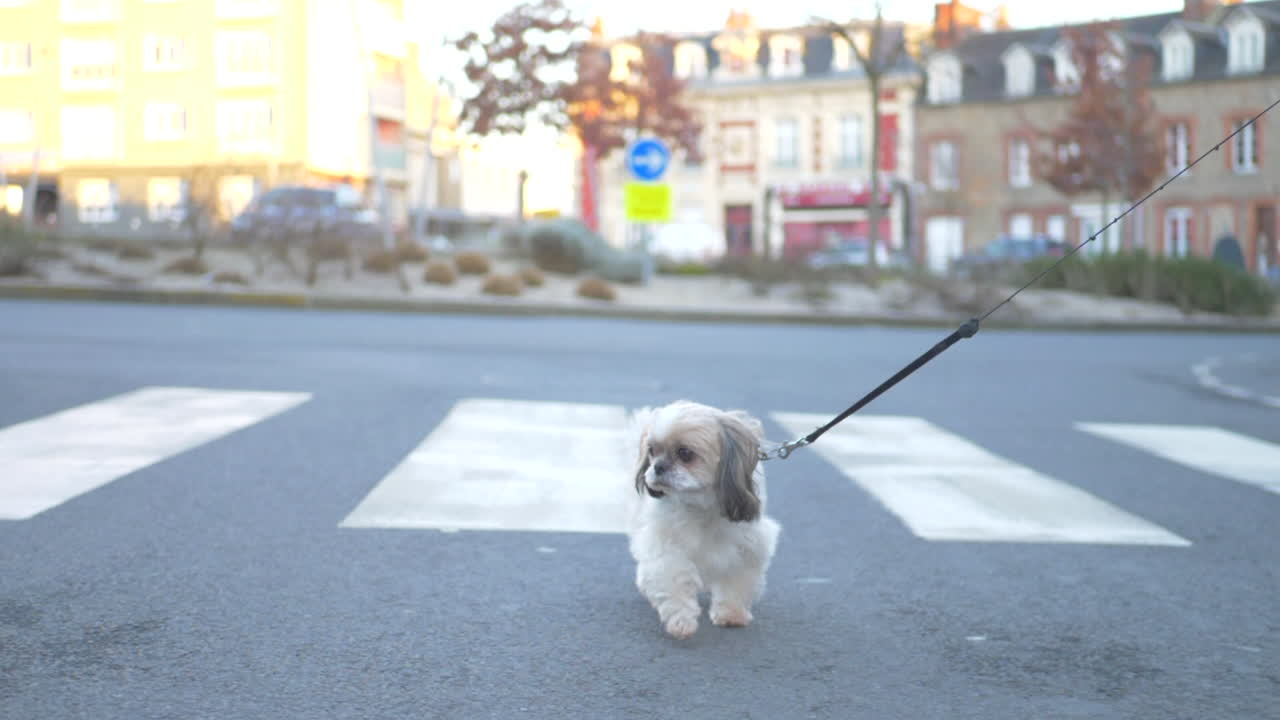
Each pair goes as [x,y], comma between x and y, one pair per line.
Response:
[952,22]
[1200,10]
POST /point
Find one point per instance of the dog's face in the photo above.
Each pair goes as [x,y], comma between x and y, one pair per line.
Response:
[701,453]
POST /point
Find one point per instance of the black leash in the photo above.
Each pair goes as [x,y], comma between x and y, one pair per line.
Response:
[971,326]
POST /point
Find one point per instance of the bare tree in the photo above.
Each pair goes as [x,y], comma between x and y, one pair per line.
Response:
[881,56]
[1108,144]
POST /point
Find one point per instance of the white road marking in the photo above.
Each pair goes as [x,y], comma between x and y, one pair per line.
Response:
[1204,372]
[1208,449]
[944,487]
[510,465]
[45,462]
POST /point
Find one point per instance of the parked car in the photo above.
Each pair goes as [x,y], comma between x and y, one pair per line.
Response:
[288,214]
[1006,251]
[849,253]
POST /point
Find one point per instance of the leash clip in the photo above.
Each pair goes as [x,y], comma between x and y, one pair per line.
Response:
[783,451]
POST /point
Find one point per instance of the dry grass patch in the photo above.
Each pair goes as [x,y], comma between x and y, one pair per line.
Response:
[440,273]
[597,289]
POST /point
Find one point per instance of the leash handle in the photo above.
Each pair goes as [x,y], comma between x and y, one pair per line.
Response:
[967,330]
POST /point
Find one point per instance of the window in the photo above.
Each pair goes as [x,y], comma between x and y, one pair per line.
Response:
[1019,163]
[166,199]
[1066,74]
[621,57]
[235,192]
[1246,44]
[944,241]
[786,56]
[164,122]
[1177,143]
[245,58]
[89,64]
[1019,72]
[163,53]
[943,173]
[1177,57]
[88,132]
[788,151]
[95,201]
[842,57]
[1055,226]
[89,10]
[850,142]
[245,126]
[944,84]
[16,126]
[1244,148]
[691,60]
[1177,232]
[1020,225]
[15,58]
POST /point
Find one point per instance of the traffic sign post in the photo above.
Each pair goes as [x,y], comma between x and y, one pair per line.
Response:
[647,159]
[647,200]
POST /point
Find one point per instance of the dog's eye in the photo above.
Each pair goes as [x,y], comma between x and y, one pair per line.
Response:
[685,455]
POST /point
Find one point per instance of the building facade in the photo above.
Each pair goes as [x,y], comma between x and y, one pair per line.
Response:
[138,115]
[990,96]
[786,125]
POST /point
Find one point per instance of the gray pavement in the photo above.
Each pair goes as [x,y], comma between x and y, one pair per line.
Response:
[218,583]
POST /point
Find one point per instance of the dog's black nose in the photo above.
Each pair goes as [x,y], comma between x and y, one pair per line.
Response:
[661,467]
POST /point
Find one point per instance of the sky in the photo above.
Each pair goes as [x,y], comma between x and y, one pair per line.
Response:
[622,16]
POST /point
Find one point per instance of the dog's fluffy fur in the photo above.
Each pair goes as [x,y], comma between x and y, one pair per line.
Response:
[698,522]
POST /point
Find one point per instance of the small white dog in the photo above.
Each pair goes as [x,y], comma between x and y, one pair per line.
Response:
[698,522]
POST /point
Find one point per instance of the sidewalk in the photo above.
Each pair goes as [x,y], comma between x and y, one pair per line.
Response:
[97,275]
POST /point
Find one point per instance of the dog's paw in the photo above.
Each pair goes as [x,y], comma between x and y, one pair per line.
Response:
[728,616]
[682,626]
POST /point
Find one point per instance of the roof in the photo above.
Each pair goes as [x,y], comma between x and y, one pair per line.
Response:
[984,74]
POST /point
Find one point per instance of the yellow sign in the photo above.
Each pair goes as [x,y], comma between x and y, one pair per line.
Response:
[648,202]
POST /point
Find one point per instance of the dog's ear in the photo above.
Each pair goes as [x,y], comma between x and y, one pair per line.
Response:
[642,460]
[735,476]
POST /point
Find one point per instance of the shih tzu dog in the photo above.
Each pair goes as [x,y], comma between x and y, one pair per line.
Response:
[698,522]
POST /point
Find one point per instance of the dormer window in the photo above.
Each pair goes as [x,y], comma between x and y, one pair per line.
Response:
[1246,44]
[945,79]
[786,56]
[691,60]
[841,54]
[1177,56]
[621,56]
[1019,72]
[1066,75]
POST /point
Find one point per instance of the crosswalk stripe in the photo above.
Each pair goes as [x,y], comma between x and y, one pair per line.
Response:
[944,487]
[47,461]
[509,465]
[1208,449]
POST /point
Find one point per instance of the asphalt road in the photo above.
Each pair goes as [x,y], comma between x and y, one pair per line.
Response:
[217,582]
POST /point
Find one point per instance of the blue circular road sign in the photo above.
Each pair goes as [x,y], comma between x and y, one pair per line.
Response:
[648,159]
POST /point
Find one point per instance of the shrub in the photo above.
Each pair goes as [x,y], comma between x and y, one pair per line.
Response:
[381,261]
[90,269]
[440,273]
[102,244]
[597,289]
[1191,283]
[687,268]
[411,252]
[134,251]
[230,277]
[187,266]
[472,263]
[503,285]
[533,277]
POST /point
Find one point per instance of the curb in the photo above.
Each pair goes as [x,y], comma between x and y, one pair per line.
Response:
[526,308]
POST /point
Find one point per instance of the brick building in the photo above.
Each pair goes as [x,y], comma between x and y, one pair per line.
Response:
[987,93]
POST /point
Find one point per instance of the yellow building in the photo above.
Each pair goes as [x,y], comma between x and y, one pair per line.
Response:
[140,113]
